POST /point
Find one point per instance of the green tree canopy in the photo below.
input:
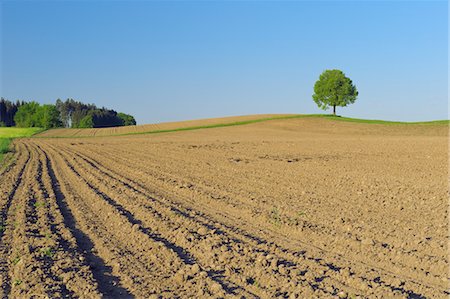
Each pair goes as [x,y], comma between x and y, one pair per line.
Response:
[26,115]
[86,122]
[48,117]
[127,120]
[334,89]
[69,113]
[34,115]
[7,111]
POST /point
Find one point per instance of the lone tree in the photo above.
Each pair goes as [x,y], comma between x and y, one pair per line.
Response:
[334,89]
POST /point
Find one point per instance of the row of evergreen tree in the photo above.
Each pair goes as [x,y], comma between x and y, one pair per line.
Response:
[7,111]
[67,114]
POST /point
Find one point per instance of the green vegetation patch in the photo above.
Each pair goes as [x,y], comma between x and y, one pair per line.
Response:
[10,132]
[384,122]
[4,147]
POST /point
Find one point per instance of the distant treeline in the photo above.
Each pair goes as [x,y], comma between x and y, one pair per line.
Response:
[74,114]
[67,114]
[7,111]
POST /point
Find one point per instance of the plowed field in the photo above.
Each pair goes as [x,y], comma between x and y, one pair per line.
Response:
[296,208]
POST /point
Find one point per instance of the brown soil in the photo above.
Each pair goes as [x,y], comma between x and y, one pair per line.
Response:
[287,208]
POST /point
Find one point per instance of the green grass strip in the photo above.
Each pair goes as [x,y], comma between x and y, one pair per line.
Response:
[237,123]
[13,132]
[386,122]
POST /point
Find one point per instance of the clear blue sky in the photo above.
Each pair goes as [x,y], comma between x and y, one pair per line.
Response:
[163,61]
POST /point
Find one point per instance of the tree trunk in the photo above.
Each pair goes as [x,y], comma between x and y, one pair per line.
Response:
[334,109]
